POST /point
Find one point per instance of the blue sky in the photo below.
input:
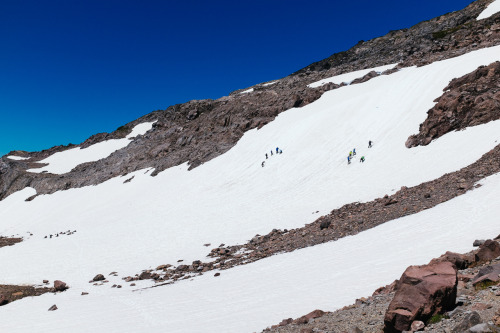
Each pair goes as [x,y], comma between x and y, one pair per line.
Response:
[70,68]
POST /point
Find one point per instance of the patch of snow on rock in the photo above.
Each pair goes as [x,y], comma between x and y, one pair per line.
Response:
[351,76]
[65,161]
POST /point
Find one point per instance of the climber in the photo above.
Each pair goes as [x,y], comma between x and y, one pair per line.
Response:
[266,156]
[362,159]
[271,152]
[281,151]
[354,152]
[370,144]
[263,162]
[277,150]
[350,154]
[348,160]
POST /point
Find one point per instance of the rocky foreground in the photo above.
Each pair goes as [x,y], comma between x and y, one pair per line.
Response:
[454,293]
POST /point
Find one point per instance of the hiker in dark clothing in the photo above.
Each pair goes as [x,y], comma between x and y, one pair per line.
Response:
[271,152]
[277,150]
[370,144]
[266,156]
[263,163]
[281,151]
[354,152]
[362,159]
[348,159]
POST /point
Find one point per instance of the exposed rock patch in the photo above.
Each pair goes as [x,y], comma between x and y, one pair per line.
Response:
[11,293]
[471,100]
[9,241]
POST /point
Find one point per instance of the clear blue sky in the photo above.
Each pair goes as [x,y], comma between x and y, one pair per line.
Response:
[73,68]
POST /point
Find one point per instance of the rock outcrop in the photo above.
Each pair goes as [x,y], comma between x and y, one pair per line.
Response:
[422,292]
[471,100]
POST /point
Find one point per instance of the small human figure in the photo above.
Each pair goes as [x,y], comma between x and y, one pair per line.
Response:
[266,156]
[350,154]
[354,152]
[263,162]
[271,152]
[370,144]
[362,159]
[281,151]
[277,150]
[348,159]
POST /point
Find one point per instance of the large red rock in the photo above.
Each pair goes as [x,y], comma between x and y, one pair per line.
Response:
[488,251]
[422,292]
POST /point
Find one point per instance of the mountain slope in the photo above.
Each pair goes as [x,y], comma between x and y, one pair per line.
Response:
[130,221]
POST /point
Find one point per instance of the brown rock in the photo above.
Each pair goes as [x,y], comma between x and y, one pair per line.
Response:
[488,251]
[145,275]
[285,322]
[98,277]
[53,308]
[487,273]
[45,281]
[421,292]
[60,286]
[3,300]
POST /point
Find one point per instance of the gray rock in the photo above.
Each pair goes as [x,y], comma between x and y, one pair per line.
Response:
[478,242]
[470,320]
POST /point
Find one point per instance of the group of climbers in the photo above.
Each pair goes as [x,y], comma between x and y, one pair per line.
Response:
[278,151]
[352,153]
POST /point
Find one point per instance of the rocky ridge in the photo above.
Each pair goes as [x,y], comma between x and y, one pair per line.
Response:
[198,131]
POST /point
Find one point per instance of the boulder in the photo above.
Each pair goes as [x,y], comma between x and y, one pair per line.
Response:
[422,292]
[470,319]
[488,251]
[460,261]
[145,275]
[53,308]
[417,325]
[478,242]
[3,300]
[98,277]
[60,286]
[488,273]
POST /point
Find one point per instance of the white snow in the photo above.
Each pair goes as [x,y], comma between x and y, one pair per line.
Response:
[127,227]
[247,91]
[17,158]
[269,83]
[491,10]
[65,161]
[351,76]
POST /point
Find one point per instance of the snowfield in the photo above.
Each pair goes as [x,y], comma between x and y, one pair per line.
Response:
[491,10]
[128,227]
[65,161]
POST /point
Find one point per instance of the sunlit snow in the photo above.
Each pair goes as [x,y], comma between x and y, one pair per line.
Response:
[127,227]
[351,76]
[65,161]
[491,10]
[17,158]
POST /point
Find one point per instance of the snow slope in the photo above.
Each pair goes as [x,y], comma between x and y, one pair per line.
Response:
[65,161]
[250,298]
[127,227]
[351,76]
[491,10]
